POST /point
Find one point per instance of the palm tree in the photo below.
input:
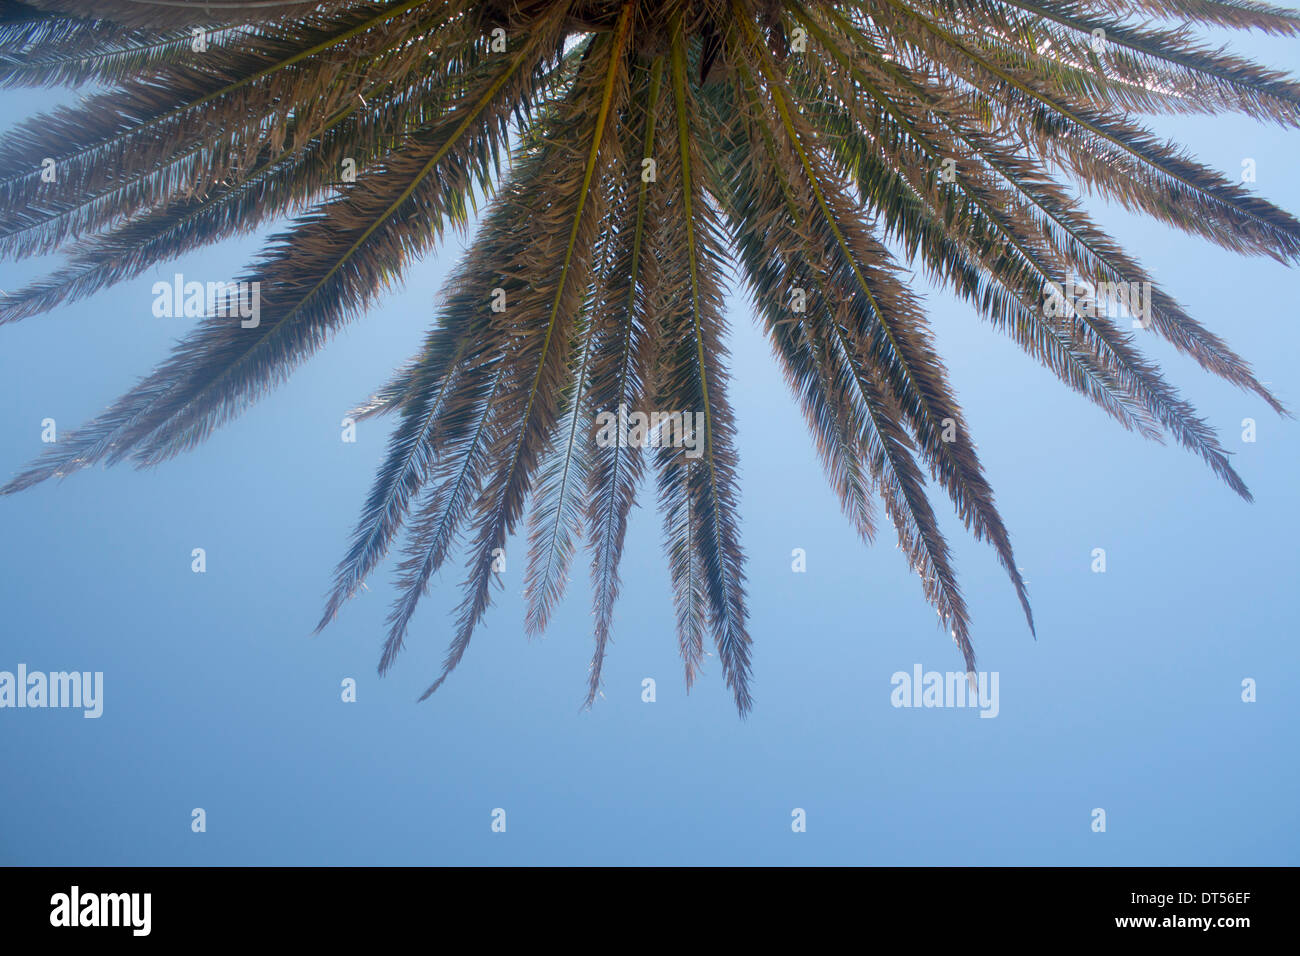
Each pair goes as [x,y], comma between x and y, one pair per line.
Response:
[645,145]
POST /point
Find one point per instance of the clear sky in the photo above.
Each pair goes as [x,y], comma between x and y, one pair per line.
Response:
[216,697]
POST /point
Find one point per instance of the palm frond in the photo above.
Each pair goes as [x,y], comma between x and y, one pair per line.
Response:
[692,380]
[538,367]
[623,323]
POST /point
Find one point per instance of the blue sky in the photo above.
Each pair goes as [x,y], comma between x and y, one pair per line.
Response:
[215,695]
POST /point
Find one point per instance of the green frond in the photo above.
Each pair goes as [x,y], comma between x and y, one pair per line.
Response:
[693,380]
[539,367]
[623,325]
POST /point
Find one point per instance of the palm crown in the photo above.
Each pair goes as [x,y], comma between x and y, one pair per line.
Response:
[645,146]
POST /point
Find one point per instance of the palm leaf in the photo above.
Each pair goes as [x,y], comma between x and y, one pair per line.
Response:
[630,156]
